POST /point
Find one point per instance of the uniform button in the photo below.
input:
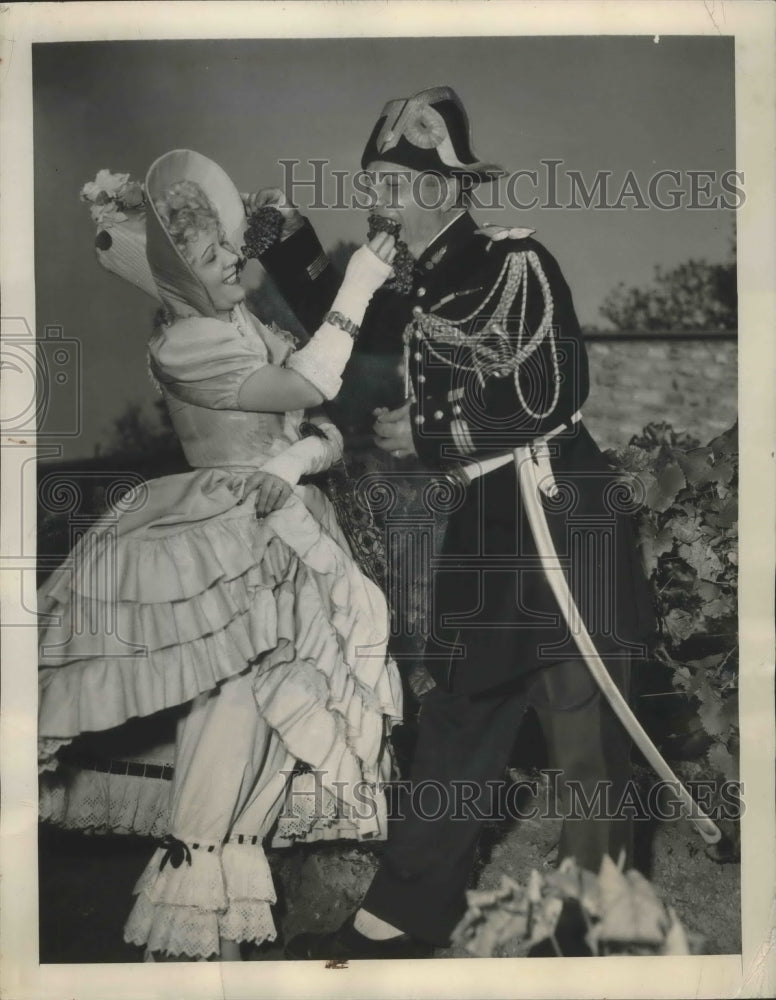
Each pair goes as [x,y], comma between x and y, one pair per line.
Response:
[421,292]
[420,419]
[418,356]
[438,414]
[421,378]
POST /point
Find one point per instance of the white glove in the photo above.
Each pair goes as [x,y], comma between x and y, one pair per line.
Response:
[322,361]
[307,456]
[364,274]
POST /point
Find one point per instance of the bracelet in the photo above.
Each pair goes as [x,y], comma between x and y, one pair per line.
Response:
[338,319]
[309,429]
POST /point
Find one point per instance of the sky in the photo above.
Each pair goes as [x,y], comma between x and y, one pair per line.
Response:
[617,104]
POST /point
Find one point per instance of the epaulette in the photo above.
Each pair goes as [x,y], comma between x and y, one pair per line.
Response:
[496,234]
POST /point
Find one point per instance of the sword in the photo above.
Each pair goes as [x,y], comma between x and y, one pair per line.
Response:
[526,463]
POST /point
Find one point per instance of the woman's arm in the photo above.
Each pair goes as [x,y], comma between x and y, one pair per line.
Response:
[314,453]
[276,390]
[312,374]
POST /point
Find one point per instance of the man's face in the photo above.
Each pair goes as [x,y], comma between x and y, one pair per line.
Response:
[419,202]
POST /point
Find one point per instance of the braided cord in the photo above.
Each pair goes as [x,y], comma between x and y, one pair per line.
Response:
[514,274]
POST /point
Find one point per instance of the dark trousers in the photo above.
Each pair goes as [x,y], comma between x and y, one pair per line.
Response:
[464,742]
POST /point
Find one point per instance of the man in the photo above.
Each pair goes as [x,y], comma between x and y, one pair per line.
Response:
[495,360]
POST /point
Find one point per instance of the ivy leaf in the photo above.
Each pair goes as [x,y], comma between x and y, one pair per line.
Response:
[685,680]
[611,883]
[675,942]
[687,528]
[655,542]
[723,761]
[724,472]
[703,559]
[566,880]
[712,711]
[707,664]
[634,915]
[493,917]
[670,480]
[680,624]
[726,514]
[708,591]
[697,466]
[544,918]
[720,608]
[730,709]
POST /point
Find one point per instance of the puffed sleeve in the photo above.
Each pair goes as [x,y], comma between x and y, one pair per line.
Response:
[205,361]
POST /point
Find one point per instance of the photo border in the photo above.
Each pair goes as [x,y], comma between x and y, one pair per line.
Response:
[749,974]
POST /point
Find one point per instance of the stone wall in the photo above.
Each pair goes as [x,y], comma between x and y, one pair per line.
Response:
[690,384]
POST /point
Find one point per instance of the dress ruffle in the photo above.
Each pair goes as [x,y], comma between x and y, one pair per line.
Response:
[197,591]
[221,893]
[159,605]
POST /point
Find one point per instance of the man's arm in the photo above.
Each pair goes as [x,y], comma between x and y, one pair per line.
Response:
[304,275]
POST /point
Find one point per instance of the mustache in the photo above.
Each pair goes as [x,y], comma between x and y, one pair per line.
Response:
[403,263]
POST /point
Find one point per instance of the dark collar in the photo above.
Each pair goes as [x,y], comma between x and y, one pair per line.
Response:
[458,233]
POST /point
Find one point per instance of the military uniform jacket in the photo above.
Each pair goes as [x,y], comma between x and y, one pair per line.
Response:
[495,359]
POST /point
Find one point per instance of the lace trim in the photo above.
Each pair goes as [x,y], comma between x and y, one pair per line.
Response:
[104,802]
[248,920]
[48,747]
[173,930]
[192,893]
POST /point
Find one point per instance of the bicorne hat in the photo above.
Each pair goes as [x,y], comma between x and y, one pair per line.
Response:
[428,131]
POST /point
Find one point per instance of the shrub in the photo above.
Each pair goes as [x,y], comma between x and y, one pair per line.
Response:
[688,528]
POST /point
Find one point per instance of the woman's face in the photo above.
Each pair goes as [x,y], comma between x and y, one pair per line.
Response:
[215,264]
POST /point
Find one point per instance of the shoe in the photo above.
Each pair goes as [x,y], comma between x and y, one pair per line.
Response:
[347,943]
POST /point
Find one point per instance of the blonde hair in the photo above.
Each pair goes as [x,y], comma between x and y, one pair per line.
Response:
[186,211]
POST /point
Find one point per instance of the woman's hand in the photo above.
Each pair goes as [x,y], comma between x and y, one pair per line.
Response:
[383,246]
[274,198]
[272,492]
[368,268]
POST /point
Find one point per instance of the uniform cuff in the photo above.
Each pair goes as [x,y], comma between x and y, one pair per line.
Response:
[301,250]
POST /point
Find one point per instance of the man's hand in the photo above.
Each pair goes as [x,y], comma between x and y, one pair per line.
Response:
[393,431]
[272,492]
[274,198]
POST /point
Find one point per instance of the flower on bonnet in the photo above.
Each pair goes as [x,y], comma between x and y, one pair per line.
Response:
[105,182]
[110,196]
[132,195]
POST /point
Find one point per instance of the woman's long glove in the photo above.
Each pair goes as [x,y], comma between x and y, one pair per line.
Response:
[305,457]
[323,359]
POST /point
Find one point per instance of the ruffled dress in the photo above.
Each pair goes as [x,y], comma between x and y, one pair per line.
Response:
[262,637]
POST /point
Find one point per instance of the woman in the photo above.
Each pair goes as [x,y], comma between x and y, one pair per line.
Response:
[235,586]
